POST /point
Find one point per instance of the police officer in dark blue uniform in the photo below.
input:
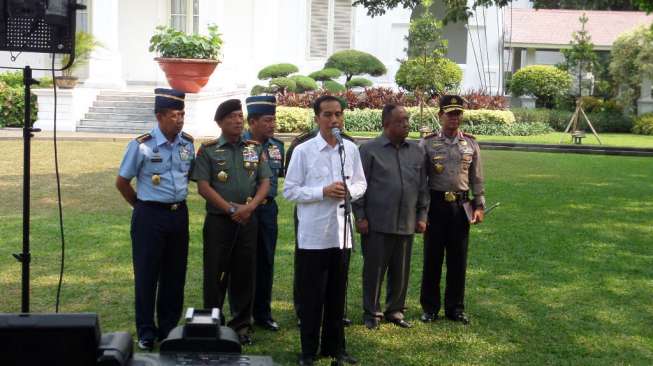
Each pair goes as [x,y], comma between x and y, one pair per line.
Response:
[160,161]
[262,122]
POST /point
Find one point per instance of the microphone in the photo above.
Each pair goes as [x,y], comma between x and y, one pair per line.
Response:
[337,134]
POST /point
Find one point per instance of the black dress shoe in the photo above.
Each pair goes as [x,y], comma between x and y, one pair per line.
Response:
[345,357]
[428,317]
[245,339]
[401,323]
[459,317]
[372,323]
[346,322]
[306,360]
[269,324]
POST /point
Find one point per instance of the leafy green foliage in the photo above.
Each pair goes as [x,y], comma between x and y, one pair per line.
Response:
[171,43]
[325,74]
[488,116]
[283,85]
[13,79]
[581,58]
[359,82]
[425,37]
[602,120]
[543,81]
[85,43]
[515,129]
[632,59]
[294,119]
[304,83]
[12,105]
[429,75]
[333,86]
[277,71]
[259,89]
[643,124]
[456,10]
[353,62]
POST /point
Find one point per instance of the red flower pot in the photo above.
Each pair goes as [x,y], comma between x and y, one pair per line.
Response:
[187,75]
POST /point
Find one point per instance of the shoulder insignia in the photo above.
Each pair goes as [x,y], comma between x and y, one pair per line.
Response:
[187,136]
[252,142]
[210,142]
[469,135]
[142,138]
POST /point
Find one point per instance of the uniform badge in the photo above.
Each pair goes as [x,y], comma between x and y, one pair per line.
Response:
[185,154]
[439,168]
[156,179]
[463,142]
[250,158]
[223,176]
[274,152]
[449,196]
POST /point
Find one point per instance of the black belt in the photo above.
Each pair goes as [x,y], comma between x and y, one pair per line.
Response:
[174,206]
[450,196]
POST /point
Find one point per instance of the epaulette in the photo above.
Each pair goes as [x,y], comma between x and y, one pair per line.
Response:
[187,136]
[469,135]
[144,137]
[210,142]
[252,142]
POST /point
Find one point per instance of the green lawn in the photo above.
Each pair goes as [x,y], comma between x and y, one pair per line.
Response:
[608,139]
[561,273]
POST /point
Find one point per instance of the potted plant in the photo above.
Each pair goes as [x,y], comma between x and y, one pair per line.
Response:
[85,43]
[188,60]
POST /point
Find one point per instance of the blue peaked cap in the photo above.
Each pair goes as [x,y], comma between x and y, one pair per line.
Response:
[168,98]
[261,104]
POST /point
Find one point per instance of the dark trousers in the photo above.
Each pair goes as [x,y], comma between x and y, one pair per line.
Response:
[159,251]
[266,245]
[385,252]
[321,280]
[447,236]
[229,267]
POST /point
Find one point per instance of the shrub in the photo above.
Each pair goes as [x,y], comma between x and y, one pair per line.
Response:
[325,74]
[259,89]
[543,81]
[170,42]
[608,121]
[353,62]
[363,120]
[12,106]
[304,83]
[484,117]
[358,82]
[277,71]
[603,121]
[434,76]
[283,84]
[369,98]
[333,86]
[643,124]
[293,119]
[12,79]
[481,100]
[515,129]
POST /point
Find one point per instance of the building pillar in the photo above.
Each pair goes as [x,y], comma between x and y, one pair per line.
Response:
[105,64]
[645,102]
[530,57]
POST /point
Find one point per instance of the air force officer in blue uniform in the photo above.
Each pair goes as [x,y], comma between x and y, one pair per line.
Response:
[160,161]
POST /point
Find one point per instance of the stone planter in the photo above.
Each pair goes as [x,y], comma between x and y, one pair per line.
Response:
[187,75]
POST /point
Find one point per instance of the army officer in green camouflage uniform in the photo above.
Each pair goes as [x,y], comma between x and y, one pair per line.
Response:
[233,176]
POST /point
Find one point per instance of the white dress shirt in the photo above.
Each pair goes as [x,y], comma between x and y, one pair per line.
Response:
[314,165]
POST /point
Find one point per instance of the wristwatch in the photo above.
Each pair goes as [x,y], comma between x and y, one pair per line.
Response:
[231,210]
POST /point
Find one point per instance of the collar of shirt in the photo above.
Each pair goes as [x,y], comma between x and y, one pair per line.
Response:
[223,141]
[386,141]
[161,139]
[322,143]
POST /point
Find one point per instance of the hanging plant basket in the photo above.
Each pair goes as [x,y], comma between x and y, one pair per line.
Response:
[187,75]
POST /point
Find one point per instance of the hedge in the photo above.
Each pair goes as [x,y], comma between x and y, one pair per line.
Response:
[603,121]
[643,124]
[12,105]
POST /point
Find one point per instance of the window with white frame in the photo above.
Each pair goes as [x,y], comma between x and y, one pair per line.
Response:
[185,15]
[330,26]
[82,18]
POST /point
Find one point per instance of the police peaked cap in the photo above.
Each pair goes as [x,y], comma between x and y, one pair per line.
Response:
[261,105]
[168,98]
[227,107]
[450,103]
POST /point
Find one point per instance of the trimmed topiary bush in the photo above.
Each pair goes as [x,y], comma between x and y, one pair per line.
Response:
[354,62]
[433,76]
[543,81]
[259,89]
[304,83]
[283,84]
[277,71]
[643,124]
[358,82]
[325,74]
[515,129]
[488,116]
[333,86]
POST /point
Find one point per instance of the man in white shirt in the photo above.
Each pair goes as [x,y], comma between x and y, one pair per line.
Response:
[314,181]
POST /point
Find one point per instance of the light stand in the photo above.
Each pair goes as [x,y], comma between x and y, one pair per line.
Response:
[43,27]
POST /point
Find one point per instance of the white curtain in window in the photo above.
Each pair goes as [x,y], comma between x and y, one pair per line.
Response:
[178,14]
[342,25]
[319,28]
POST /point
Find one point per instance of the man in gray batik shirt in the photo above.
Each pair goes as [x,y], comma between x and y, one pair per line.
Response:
[393,208]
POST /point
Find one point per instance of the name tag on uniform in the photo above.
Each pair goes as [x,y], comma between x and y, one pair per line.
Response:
[156,159]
